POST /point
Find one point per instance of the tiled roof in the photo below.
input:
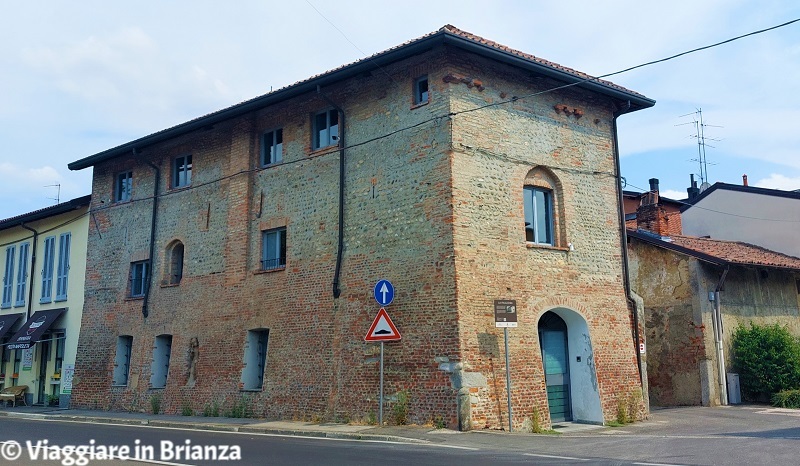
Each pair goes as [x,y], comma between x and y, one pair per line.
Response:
[721,251]
[51,211]
[446,35]
[490,43]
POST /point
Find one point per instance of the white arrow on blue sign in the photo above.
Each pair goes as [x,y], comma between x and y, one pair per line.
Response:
[384,292]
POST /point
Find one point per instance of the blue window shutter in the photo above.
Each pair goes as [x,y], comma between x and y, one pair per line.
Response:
[63,266]
[47,269]
[8,277]
[22,274]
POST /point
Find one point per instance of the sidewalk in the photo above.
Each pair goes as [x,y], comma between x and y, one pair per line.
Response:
[407,434]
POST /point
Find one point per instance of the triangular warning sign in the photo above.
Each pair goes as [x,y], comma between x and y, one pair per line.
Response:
[382,328]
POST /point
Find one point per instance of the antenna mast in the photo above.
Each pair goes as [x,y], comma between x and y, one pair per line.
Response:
[699,128]
[58,193]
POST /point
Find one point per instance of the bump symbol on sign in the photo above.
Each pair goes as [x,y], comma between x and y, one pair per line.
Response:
[382,328]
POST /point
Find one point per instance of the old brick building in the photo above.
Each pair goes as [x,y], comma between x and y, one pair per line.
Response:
[233,257]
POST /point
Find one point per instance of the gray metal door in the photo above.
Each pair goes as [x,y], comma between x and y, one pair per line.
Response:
[555,358]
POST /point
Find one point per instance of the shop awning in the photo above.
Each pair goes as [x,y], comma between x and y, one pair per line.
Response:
[34,328]
[6,322]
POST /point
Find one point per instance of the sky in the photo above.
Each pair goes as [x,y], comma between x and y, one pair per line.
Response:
[77,78]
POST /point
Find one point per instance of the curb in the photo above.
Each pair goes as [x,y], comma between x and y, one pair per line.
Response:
[219,427]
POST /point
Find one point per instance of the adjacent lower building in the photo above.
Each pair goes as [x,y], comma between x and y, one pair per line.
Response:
[232,259]
[43,261]
[696,291]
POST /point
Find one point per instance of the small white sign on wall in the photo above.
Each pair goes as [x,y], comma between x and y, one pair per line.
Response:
[67,372]
[27,359]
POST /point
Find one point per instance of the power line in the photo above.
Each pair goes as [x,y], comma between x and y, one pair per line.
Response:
[348,40]
[723,213]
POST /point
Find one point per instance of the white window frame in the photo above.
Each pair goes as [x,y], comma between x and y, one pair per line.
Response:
[421,96]
[327,134]
[123,186]
[182,171]
[275,257]
[140,273]
[272,147]
[533,215]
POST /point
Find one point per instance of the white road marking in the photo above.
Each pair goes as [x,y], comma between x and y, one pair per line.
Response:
[264,434]
[658,464]
[556,457]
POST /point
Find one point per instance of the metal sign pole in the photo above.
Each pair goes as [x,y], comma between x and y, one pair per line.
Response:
[380,411]
[508,377]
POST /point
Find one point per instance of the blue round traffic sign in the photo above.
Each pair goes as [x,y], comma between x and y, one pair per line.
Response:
[384,292]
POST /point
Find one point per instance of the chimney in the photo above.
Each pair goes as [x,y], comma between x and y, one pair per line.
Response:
[693,191]
[656,218]
[744,180]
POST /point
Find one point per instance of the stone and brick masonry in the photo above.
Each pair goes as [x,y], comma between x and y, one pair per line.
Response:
[436,209]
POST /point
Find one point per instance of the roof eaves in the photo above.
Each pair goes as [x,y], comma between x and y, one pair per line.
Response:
[46,212]
[445,35]
[657,241]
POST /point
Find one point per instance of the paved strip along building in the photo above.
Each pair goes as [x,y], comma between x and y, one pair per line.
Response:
[232,258]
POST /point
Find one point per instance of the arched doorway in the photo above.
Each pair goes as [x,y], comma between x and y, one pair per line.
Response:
[568,363]
[555,358]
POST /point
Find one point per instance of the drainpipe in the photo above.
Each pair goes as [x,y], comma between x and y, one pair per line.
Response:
[150,273]
[624,241]
[337,291]
[717,321]
[33,267]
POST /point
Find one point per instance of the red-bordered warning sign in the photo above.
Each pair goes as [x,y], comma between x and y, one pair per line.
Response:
[382,328]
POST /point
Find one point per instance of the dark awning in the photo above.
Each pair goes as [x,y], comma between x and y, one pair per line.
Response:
[6,322]
[34,328]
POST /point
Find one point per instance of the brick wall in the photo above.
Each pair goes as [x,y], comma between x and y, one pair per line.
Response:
[435,209]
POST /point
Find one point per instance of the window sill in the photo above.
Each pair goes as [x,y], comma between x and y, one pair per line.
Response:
[122,201]
[276,269]
[5,306]
[532,245]
[180,188]
[134,298]
[58,300]
[323,150]
[19,305]
[156,388]
[119,386]
[276,164]
[421,104]
[251,390]
[170,285]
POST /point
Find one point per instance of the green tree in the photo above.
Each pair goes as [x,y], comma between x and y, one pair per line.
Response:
[767,358]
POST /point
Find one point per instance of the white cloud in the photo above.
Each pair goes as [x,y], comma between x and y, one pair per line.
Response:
[672,194]
[778,181]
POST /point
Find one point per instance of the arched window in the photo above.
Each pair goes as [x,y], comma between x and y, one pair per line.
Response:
[542,206]
[175,263]
[538,204]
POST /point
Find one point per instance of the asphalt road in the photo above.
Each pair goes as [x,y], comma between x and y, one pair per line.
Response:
[255,449]
[707,436]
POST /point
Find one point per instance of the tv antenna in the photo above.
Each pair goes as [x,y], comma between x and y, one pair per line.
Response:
[699,128]
[58,192]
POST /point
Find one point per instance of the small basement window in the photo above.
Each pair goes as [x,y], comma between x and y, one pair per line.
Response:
[160,366]
[122,362]
[255,359]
